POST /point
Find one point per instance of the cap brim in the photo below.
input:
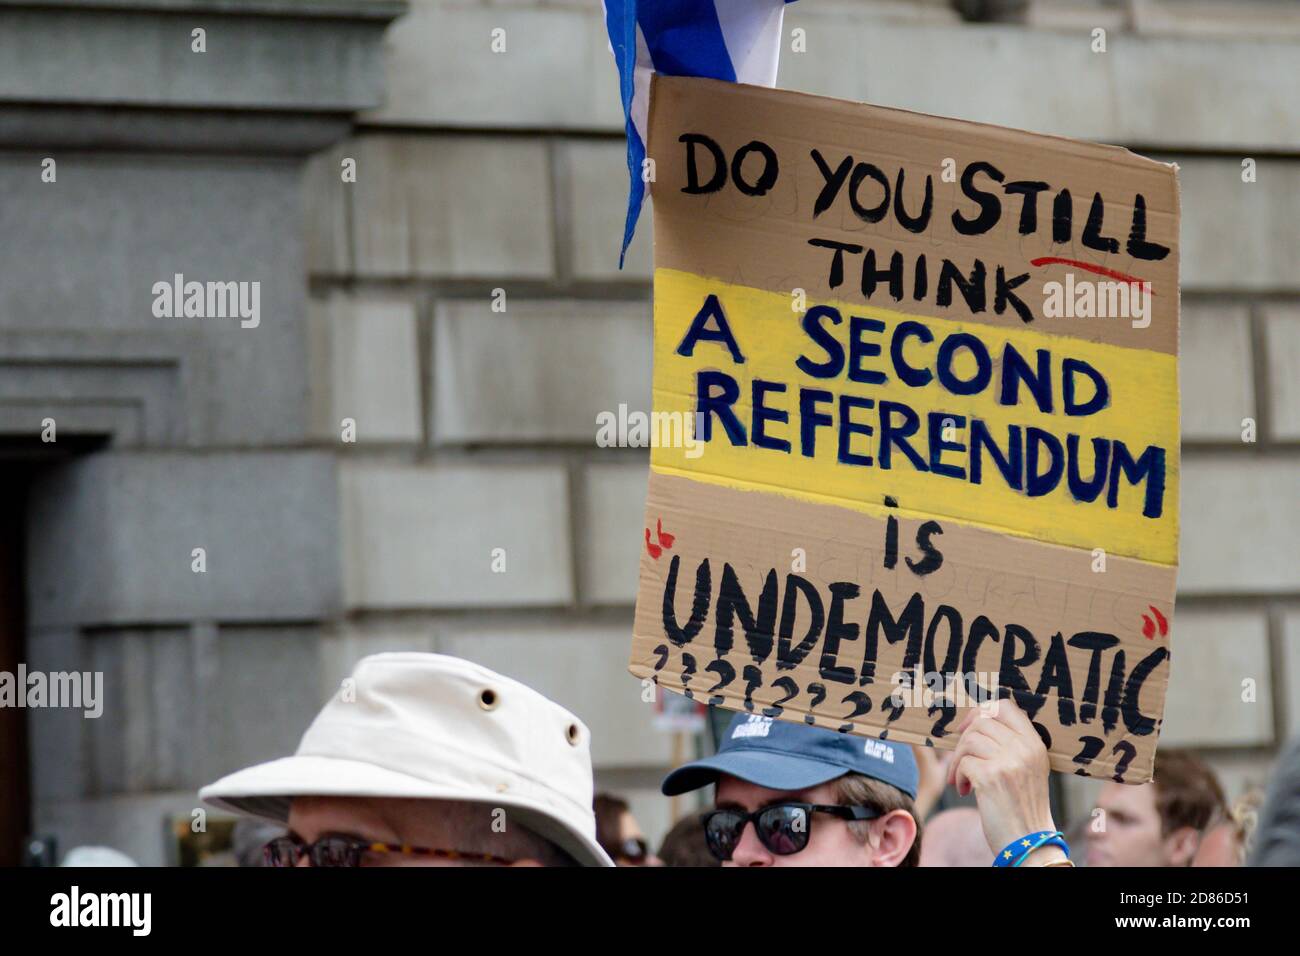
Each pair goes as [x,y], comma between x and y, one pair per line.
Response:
[775,771]
[265,791]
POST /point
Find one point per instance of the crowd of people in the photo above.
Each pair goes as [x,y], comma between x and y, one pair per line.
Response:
[427,759]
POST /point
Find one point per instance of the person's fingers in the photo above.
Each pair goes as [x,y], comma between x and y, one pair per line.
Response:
[974,723]
[972,742]
[975,713]
[981,745]
[1014,722]
[967,773]
[955,762]
[958,777]
[1009,714]
[989,729]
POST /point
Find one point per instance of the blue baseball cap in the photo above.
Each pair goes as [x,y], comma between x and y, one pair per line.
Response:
[781,755]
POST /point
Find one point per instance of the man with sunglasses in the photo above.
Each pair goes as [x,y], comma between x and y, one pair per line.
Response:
[423,759]
[793,795]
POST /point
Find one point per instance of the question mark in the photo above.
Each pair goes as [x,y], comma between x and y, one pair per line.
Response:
[1130,753]
[662,651]
[895,707]
[791,689]
[819,694]
[753,677]
[726,674]
[947,712]
[1091,747]
[861,705]
[688,671]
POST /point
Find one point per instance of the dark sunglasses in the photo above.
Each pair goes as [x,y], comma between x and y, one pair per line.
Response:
[345,850]
[783,828]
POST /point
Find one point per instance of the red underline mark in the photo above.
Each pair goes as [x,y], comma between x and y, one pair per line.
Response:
[1089,267]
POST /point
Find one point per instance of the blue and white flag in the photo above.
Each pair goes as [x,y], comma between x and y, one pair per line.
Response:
[734,40]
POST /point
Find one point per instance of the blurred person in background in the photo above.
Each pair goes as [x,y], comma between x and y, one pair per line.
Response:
[954,838]
[427,760]
[1160,823]
[685,844]
[619,834]
[1229,839]
[1277,838]
[83,856]
[1076,834]
[932,768]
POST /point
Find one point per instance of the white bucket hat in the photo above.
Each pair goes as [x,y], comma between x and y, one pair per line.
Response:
[441,728]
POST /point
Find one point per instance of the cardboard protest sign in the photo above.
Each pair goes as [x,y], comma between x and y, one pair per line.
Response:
[927,371]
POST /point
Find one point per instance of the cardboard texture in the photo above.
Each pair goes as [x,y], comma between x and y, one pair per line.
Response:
[930,370]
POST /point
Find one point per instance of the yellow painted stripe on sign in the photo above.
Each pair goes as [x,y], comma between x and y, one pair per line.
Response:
[1142,412]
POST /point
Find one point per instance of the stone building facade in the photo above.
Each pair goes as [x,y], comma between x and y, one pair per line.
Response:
[483,176]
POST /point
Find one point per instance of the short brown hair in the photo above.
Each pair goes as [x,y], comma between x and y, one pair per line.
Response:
[1187,792]
[609,811]
[685,844]
[856,790]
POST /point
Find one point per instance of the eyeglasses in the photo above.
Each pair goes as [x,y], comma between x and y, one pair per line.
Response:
[343,849]
[634,850]
[784,828]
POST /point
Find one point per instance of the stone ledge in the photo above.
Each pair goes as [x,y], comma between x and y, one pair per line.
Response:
[130,387]
[333,9]
[319,58]
[119,128]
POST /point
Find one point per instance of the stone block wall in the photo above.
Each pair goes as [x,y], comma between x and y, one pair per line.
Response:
[474,513]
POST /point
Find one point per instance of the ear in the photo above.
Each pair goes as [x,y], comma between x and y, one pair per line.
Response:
[893,836]
[1181,845]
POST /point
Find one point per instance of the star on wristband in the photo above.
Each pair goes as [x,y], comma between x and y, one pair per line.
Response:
[1015,852]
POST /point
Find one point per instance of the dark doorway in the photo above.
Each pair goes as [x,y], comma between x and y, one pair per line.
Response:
[23,461]
[15,798]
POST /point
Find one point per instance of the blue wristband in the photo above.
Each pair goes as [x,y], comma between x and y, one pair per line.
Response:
[1015,852]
